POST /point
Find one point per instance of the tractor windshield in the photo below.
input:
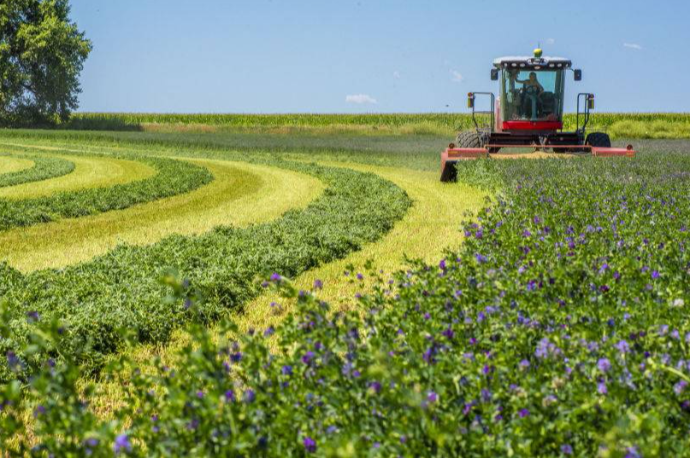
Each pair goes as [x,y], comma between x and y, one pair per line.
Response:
[534,95]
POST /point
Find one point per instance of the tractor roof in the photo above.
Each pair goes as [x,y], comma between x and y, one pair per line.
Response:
[532,62]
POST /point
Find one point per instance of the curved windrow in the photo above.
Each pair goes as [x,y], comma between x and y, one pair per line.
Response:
[89,172]
[241,194]
[173,177]
[122,290]
[23,168]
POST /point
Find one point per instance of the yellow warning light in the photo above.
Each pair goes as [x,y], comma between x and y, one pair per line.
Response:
[537,52]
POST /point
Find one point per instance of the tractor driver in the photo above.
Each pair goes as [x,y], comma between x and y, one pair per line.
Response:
[529,95]
[532,82]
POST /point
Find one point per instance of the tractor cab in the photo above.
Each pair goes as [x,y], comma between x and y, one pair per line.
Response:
[528,114]
[531,92]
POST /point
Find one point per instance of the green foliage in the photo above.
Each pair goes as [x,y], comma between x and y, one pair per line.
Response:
[173,177]
[560,327]
[41,56]
[44,168]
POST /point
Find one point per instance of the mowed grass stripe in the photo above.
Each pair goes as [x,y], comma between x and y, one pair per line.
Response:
[14,164]
[240,195]
[89,172]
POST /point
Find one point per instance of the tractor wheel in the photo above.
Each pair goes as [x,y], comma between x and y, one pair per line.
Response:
[598,140]
[468,139]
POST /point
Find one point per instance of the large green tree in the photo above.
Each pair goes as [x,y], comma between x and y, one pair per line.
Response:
[41,55]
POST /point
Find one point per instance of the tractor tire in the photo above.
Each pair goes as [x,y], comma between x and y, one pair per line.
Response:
[468,139]
[598,140]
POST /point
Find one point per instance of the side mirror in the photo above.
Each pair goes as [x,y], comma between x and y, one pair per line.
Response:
[470,100]
[578,74]
[590,102]
[494,74]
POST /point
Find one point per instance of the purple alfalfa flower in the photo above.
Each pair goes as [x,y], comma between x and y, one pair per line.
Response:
[275,277]
[249,396]
[679,387]
[524,364]
[442,265]
[622,347]
[428,355]
[33,316]
[318,284]
[199,394]
[309,444]
[40,410]
[122,444]
[269,331]
[480,258]
[481,316]
[286,370]
[375,387]
[448,333]
[427,316]
[567,449]
[431,397]
[526,233]
[532,285]
[91,442]
[236,357]
[486,395]
[655,274]
[601,388]
[632,453]
[523,413]
[546,349]
[479,234]
[604,365]
[663,330]
[12,359]
[360,276]
[229,396]
[308,357]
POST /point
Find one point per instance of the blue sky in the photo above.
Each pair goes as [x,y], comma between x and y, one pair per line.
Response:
[272,56]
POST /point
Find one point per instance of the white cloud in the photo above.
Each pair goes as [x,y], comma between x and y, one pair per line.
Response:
[396,74]
[633,46]
[550,41]
[360,99]
[456,76]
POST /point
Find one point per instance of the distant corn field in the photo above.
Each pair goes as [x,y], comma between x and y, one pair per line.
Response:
[634,125]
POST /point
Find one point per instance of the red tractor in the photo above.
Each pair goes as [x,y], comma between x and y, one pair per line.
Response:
[528,114]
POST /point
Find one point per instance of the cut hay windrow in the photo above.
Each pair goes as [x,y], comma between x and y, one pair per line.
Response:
[38,168]
[89,172]
[241,194]
[172,177]
[122,289]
